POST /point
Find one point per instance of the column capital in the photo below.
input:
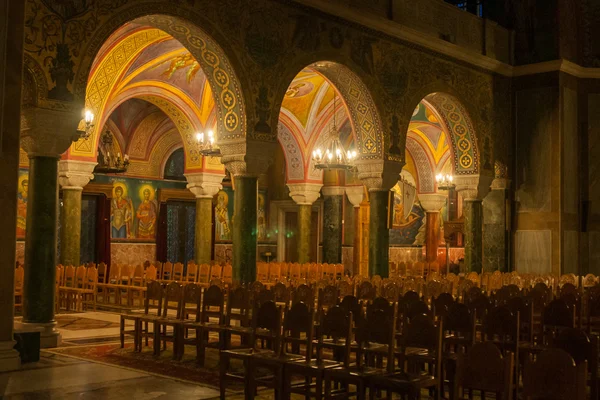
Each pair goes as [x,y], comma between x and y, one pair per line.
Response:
[305,193]
[204,184]
[355,194]
[73,174]
[247,157]
[333,190]
[48,132]
[379,175]
[432,202]
[500,184]
[473,187]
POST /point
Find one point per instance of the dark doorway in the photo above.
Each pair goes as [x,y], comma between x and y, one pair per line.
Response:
[181,218]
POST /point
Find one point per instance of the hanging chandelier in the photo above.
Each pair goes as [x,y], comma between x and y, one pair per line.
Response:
[109,159]
[206,145]
[333,156]
[445,181]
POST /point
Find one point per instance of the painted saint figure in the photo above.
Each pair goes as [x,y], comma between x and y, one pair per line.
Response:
[222,229]
[120,215]
[22,209]
[262,224]
[146,217]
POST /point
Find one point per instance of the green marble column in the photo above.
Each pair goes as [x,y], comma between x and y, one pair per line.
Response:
[70,237]
[304,225]
[203,230]
[244,228]
[40,240]
[332,228]
[379,234]
[473,213]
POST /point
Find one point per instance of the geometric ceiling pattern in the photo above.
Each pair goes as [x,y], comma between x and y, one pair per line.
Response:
[153,95]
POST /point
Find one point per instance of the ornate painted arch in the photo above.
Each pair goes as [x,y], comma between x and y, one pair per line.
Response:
[423,164]
[215,63]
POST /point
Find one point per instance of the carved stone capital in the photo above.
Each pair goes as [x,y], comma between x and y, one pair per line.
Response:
[379,174]
[204,185]
[304,193]
[432,202]
[355,194]
[473,187]
[46,132]
[333,190]
[73,174]
[247,156]
[500,184]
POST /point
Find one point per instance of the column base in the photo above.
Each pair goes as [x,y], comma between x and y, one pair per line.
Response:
[9,357]
[49,336]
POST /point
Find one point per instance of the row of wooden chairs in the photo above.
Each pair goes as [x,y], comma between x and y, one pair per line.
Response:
[270,273]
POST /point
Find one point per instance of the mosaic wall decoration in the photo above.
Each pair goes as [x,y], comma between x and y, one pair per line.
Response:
[134,207]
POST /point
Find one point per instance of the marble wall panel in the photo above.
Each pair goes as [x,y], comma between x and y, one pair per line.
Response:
[494,237]
[570,161]
[132,253]
[593,151]
[533,251]
[536,120]
[570,252]
[594,252]
[348,258]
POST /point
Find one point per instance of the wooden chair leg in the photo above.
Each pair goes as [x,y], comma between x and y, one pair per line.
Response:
[122,332]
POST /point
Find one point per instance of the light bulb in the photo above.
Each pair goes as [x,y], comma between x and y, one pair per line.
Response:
[200,137]
[89,116]
[450,178]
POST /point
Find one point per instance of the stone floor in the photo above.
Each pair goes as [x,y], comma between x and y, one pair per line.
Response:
[61,377]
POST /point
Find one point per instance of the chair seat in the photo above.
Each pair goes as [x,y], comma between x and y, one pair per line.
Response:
[277,358]
[355,371]
[402,382]
[314,364]
[244,353]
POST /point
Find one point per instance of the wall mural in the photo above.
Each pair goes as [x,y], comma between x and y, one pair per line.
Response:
[409,231]
[224,215]
[22,203]
[134,207]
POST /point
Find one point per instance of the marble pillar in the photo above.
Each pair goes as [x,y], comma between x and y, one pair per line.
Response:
[379,233]
[432,204]
[473,188]
[45,135]
[304,194]
[333,198]
[11,67]
[355,196]
[473,213]
[244,232]
[204,186]
[304,225]
[496,242]
[72,177]
[40,247]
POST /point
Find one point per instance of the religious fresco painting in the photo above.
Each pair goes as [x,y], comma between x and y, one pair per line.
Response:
[134,207]
[261,214]
[223,214]
[407,230]
[23,185]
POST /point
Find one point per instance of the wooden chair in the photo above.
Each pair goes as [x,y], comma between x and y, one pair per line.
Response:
[167,271]
[339,271]
[169,318]
[581,347]
[274,273]
[332,331]
[237,317]
[366,291]
[228,274]
[281,294]
[262,272]
[152,309]
[150,274]
[191,312]
[213,307]
[89,289]
[419,344]
[177,272]
[297,332]
[266,326]
[484,369]
[377,334]
[305,294]
[216,272]
[554,375]
[191,274]
[138,286]
[102,269]
[204,275]
[327,298]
